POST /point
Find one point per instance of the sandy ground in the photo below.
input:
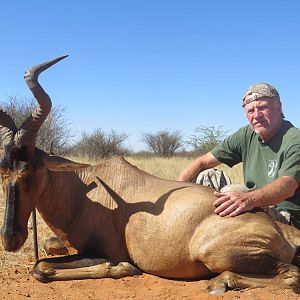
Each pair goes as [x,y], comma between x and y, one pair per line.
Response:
[17,283]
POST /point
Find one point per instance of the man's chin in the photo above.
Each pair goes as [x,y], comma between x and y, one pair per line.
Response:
[261,131]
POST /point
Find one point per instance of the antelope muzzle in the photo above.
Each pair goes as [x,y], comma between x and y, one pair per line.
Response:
[12,236]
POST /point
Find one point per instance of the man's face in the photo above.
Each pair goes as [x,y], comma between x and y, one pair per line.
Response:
[264,116]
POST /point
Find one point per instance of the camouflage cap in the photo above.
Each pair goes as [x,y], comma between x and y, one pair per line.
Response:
[261,90]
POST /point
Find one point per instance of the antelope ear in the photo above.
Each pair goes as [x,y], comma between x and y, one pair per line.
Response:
[57,163]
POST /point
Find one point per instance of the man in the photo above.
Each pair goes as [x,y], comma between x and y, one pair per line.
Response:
[269,148]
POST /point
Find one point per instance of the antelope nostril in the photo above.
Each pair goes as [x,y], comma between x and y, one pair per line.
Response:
[12,241]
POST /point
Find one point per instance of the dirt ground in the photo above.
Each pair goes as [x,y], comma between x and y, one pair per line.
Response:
[17,283]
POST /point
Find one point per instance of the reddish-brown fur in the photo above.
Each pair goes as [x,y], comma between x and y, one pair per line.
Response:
[123,220]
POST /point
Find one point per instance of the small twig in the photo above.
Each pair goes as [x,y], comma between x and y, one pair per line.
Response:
[35,240]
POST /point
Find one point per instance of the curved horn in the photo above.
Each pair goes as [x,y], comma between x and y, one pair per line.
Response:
[29,129]
[7,128]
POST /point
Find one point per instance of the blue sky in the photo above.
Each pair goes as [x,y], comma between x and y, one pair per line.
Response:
[141,66]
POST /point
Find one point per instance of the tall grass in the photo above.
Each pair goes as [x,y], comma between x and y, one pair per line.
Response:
[167,168]
[170,168]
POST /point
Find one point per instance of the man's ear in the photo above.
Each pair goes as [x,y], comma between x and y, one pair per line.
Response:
[58,163]
[279,105]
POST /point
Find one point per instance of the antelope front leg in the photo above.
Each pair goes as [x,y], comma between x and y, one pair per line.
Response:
[76,267]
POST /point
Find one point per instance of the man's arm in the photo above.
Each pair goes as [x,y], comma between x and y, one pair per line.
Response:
[203,162]
[234,203]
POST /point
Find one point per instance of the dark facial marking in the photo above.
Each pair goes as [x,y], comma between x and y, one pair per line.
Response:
[15,157]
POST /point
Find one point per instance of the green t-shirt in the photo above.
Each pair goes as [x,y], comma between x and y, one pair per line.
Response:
[263,162]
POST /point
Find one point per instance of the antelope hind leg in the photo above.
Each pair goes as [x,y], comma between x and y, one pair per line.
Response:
[285,276]
[76,267]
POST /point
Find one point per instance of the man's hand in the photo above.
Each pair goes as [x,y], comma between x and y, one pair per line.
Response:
[232,203]
[236,203]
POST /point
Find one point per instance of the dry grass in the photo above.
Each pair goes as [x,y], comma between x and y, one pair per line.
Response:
[168,168]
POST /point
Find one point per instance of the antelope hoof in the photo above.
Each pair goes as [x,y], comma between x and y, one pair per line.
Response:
[221,283]
[124,269]
[42,272]
[54,246]
[214,290]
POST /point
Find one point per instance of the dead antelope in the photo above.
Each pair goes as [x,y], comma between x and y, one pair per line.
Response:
[124,221]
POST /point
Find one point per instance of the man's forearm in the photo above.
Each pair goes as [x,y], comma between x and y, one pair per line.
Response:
[203,162]
[274,192]
[191,172]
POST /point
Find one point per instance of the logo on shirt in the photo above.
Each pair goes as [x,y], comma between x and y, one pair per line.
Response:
[272,168]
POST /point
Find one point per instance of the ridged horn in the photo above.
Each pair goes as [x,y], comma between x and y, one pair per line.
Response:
[7,128]
[29,129]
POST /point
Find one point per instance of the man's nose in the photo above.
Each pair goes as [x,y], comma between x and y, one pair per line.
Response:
[257,112]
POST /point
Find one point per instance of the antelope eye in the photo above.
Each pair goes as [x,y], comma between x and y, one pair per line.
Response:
[23,167]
